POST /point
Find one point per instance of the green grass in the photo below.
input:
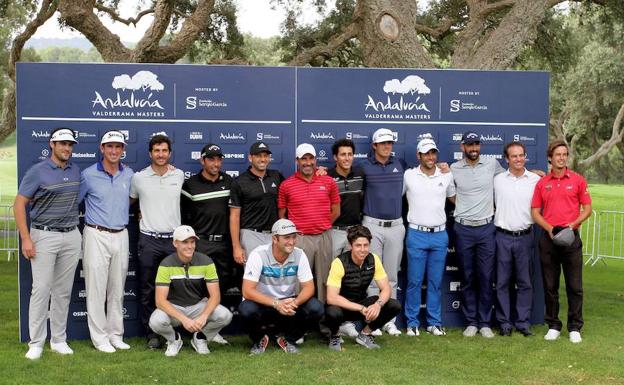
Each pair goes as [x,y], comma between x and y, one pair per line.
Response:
[8,170]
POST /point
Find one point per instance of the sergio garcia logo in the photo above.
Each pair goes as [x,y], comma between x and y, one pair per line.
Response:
[403,100]
[135,96]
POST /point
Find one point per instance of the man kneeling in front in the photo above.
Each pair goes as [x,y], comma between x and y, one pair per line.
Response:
[270,294]
[349,277]
[187,294]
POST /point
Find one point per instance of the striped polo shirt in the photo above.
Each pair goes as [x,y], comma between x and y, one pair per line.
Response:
[384,188]
[53,192]
[204,204]
[277,280]
[309,202]
[186,281]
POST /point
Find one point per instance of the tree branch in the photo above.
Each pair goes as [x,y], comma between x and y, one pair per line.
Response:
[468,40]
[151,39]
[436,32]
[617,134]
[499,5]
[327,50]
[112,12]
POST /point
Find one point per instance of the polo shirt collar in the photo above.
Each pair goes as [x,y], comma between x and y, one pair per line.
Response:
[566,174]
[436,173]
[152,172]
[349,175]
[100,166]
[291,258]
[252,176]
[55,166]
[525,174]
[206,180]
[298,175]
[479,161]
[373,159]
[191,262]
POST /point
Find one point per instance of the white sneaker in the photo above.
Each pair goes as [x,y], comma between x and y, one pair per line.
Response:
[486,332]
[376,333]
[173,347]
[106,348]
[119,344]
[218,339]
[199,344]
[391,329]
[300,341]
[436,330]
[348,329]
[61,348]
[470,331]
[34,353]
[575,337]
[552,335]
[413,332]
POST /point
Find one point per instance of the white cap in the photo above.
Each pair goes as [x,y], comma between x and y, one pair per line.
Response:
[62,135]
[305,148]
[283,227]
[426,145]
[383,135]
[113,136]
[184,232]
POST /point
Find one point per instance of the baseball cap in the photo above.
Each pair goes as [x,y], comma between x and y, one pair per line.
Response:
[184,232]
[383,135]
[283,227]
[563,236]
[211,150]
[470,137]
[426,145]
[305,148]
[64,134]
[258,148]
[113,136]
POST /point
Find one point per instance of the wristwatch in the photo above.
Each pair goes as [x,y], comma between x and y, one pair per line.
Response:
[275,303]
[379,303]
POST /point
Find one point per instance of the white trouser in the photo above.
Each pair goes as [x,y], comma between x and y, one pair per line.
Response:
[53,270]
[161,323]
[387,243]
[250,239]
[105,265]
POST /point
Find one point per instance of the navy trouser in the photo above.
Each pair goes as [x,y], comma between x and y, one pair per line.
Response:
[151,252]
[513,261]
[475,248]
[258,319]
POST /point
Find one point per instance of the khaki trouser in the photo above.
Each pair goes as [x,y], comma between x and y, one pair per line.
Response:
[318,249]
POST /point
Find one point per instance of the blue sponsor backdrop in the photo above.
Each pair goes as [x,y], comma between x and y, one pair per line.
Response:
[235,106]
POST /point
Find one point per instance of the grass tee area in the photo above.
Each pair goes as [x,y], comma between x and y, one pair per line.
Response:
[451,359]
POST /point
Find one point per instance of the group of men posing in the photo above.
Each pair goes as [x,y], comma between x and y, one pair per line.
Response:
[334,260]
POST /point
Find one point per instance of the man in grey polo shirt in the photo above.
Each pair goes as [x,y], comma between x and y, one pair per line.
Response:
[52,244]
[157,187]
[475,233]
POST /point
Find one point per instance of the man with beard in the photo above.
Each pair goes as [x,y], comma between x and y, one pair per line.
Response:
[561,202]
[157,187]
[253,203]
[105,187]
[313,203]
[52,244]
[475,233]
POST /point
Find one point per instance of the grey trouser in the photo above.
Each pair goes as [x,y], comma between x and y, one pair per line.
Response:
[161,323]
[53,270]
[105,265]
[250,239]
[387,243]
[318,249]
[339,242]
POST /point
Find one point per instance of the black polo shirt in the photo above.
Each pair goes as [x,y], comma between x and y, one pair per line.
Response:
[351,196]
[204,204]
[257,199]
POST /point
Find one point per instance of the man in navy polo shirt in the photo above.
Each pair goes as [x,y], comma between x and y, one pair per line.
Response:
[105,187]
[383,202]
[52,244]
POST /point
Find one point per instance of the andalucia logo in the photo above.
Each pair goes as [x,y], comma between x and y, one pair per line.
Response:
[402,100]
[135,95]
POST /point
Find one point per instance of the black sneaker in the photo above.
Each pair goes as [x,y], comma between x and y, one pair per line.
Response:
[153,341]
[505,332]
[260,346]
[525,332]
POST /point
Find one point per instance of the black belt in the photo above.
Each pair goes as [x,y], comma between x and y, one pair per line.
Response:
[102,228]
[260,231]
[157,235]
[55,229]
[514,233]
[214,238]
[342,228]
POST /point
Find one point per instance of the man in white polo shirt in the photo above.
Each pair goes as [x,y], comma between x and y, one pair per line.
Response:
[426,189]
[157,187]
[513,191]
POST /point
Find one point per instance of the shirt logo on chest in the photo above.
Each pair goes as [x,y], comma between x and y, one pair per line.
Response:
[273,184]
[395,170]
[322,188]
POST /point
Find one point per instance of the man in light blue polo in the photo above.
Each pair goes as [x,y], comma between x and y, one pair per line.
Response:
[52,244]
[475,233]
[105,187]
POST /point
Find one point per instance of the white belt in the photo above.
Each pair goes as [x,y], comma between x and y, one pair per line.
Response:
[428,229]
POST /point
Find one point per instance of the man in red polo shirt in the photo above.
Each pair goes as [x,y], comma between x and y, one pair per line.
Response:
[312,202]
[561,200]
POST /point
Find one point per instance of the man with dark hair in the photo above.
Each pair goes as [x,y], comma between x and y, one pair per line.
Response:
[53,243]
[190,299]
[513,191]
[157,187]
[253,203]
[475,233]
[349,277]
[561,202]
[105,187]
[272,274]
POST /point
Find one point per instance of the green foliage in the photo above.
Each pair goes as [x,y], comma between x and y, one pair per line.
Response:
[69,55]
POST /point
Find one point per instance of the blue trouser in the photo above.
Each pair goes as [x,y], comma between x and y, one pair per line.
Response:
[425,252]
[513,260]
[475,247]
